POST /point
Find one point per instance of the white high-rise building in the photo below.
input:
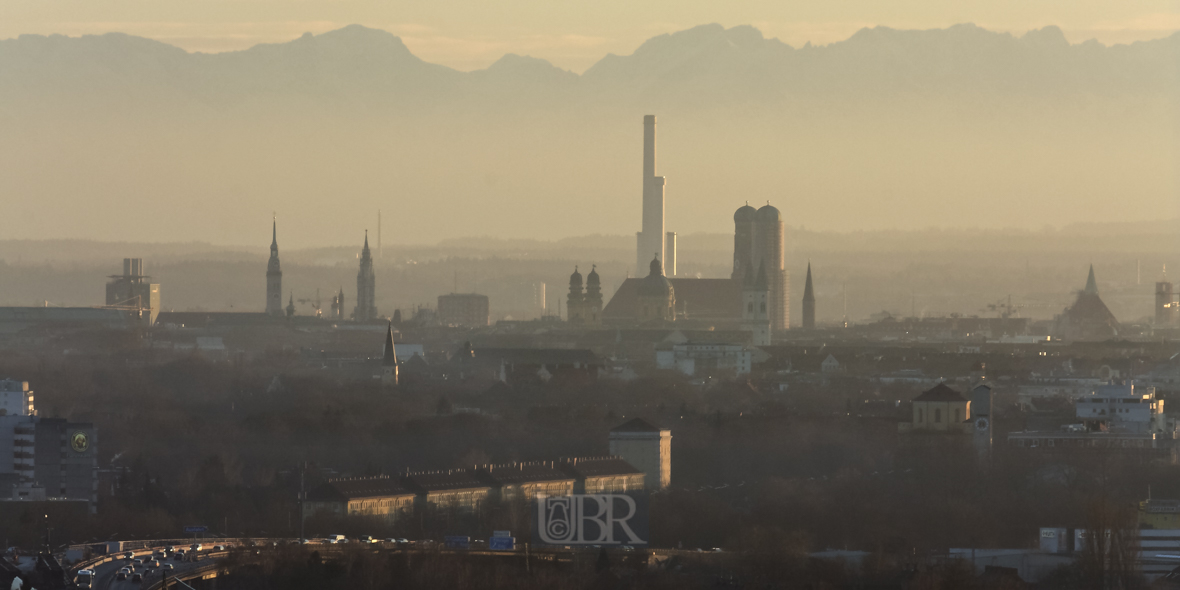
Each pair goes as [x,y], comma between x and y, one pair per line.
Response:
[651,240]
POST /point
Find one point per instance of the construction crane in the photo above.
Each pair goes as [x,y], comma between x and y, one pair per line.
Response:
[1004,308]
[315,303]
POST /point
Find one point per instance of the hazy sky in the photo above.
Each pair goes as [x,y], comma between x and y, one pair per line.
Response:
[471,34]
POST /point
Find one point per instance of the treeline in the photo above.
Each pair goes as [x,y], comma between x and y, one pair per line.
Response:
[776,564]
[196,442]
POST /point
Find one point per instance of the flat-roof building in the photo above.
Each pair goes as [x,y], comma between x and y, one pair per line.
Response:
[464,309]
[380,496]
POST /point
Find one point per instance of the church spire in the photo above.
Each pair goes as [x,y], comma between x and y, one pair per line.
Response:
[390,356]
[366,286]
[808,301]
[808,291]
[762,282]
[389,360]
[274,274]
[1091,284]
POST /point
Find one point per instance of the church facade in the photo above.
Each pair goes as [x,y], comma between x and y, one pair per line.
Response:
[754,298]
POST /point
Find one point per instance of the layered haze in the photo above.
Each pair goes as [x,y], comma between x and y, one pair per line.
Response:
[115,137]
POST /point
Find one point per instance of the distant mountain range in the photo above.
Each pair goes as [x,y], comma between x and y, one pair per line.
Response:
[708,63]
[122,138]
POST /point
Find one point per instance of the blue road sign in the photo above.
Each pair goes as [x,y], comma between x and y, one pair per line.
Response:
[457,542]
[502,543]
[196,529]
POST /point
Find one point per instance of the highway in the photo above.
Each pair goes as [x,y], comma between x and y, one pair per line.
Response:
[104,575]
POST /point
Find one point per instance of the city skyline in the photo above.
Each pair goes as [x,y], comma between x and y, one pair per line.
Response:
[566,296]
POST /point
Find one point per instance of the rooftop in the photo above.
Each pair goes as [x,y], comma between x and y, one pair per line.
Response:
[359,487]
[940,393]
[525,472]
[589,467]
[637,425]
[440,481]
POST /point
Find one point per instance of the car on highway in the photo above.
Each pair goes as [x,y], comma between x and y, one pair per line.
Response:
[129,556]
[170,549]
[219,547]
[122,574]
[168,567]
[154,563]
[85,578]
[137,578]
[179,555]
[196,547]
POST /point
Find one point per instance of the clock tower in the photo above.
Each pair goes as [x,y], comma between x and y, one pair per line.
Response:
[981,418]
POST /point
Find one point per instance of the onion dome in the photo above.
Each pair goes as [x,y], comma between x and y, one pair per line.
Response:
[745,213]
[576,279]
[592,278]
[768,213]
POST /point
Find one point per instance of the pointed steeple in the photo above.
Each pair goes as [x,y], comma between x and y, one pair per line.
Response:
[390,357]
[366,286]
[808,291]
[808,301]
[274,275]
[1091,284]
[389,360]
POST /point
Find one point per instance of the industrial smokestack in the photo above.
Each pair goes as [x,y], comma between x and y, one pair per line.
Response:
[670,255]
